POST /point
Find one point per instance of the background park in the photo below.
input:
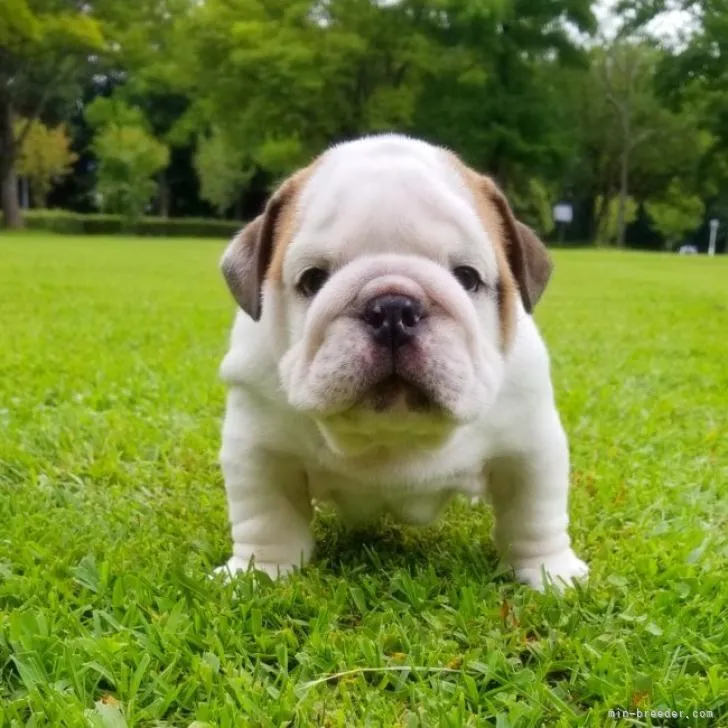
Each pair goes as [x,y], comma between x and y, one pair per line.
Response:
[135,138]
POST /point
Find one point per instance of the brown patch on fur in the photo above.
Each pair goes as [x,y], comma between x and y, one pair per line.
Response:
[494,225]
[527,256]
[524,266]
[256,253]
[285,227]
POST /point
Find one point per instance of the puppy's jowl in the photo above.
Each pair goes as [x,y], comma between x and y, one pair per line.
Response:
[384,358]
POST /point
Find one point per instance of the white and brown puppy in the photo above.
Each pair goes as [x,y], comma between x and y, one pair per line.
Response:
[385,359]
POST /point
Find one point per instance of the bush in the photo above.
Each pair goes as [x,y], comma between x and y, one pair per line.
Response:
[533,206]
[607,232]
[72,223]
[675,214]
[128,159]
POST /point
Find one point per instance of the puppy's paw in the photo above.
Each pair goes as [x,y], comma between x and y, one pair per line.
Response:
[235,565]
[559,570]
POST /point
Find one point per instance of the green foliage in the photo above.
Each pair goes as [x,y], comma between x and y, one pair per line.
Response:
[29,27]
[45,155]
[45,47]
[114,514]
[491,93]
[614,115]
[222,171]
[252,89]
[607,230]
[128,159]
[280,155]
[676,214]
[534,206]
[661,142]
[104,111]
[18,21]
[73,223]
[263,69]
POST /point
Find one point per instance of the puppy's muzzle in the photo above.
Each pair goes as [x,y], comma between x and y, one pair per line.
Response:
[393,319]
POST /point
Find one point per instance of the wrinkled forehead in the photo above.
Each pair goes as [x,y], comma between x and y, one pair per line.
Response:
[384,197]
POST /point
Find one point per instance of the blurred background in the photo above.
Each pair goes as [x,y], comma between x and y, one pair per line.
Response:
[180,116]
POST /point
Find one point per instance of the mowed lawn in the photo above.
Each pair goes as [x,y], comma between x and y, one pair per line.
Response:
[112,514]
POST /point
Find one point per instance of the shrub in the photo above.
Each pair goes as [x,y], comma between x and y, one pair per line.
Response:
[71,223]
[128,160]
[607,231]
[533,206]
[222,170]
[675,214]
[45,156]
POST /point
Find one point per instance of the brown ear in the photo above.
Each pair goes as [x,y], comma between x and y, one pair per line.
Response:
[527,256]
[247,258]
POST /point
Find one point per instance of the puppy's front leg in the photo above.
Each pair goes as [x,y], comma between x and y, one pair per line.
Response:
[529,494]
[269,510]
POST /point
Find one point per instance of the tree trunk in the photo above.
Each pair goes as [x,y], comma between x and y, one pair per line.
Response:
[8,181]
[601,237]
[24,193]
[164,195]
[623,193]
[589,212]
[11,209]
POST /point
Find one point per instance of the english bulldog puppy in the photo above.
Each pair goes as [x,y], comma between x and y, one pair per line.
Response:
[384,358]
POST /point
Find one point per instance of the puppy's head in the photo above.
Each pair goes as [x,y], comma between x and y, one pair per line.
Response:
[389,276]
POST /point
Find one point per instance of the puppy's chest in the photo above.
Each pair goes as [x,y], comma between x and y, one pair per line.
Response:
[416,503]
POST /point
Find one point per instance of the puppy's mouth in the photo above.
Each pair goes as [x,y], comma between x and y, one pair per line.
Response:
[394,418]
[397,394]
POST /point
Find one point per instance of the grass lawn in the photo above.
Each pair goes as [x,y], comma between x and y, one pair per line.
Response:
[112,513]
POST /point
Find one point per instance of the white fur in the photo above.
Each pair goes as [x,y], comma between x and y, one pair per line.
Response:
[390,215]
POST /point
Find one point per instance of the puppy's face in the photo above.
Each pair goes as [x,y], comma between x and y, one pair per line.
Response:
[388,275]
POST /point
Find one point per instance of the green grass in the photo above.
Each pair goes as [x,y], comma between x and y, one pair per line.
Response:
[112,513]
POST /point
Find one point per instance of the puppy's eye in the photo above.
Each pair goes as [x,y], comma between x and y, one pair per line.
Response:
[469,278]
[312,281]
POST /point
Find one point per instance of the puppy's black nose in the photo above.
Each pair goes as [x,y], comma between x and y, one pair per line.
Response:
[393,319]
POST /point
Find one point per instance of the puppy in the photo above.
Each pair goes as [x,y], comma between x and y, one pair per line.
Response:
[384,358]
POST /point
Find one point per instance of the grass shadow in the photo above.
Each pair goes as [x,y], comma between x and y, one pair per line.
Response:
[458,545]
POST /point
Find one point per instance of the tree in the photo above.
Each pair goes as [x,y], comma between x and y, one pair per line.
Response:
[616,211]
[222,171]
[246,90]
[661,142]
[147,75]
[44,157]
[675,214]
[44,53]
[695,78]
[534,206]
[626,72]
[128,158]
[104,111]
[490,91]
[283,79]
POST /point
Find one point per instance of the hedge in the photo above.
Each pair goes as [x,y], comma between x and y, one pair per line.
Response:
[72,223]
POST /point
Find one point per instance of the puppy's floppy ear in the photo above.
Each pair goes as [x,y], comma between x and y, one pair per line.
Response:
[246,260]
[527,256]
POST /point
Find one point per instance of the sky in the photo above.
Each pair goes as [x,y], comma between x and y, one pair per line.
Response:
[666,26]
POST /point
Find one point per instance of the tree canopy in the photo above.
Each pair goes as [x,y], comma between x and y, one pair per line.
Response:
[241,92]
[43,157]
